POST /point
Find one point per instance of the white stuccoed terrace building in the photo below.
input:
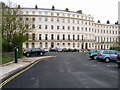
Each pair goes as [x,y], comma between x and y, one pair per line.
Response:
[67,29]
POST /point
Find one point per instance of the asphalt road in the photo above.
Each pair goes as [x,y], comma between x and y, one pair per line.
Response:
[68,70]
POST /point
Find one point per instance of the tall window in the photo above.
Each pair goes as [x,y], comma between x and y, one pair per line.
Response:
[58,27]
[51,26]
[82,37]
[40,45]
[63,45]
[33,36]
[73,45]
[40,37]
[45,26]
[33,26]
[73,37]
[27,45]
[27,26]
[33,19]
[57,19]
[68,27]
[46,19]
[101,39]
[73,21]
[78,45]
[68,37]
[27,36]
[78,28]
[73,28]
[63,37]
[63,20]
[86,28]
[52,36]
[46,45]
[77,37]
[46,37]
[68,20]
[27,19]
[33,45]
[82,28]
[63,27]
[58,45]
[69,45]
[52,19]
[39,26]
[58,37]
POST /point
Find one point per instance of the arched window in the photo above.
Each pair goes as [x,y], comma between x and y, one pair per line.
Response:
[69,45]
[46,45]
[58,45]
[27,45]
[40,45]
[63,45]
[33,45]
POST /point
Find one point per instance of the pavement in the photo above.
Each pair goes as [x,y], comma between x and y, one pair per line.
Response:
[68,70]
[10,68]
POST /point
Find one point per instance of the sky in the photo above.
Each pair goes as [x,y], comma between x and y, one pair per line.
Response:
[102,10]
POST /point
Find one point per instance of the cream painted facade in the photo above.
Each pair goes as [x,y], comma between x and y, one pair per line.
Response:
[64,29]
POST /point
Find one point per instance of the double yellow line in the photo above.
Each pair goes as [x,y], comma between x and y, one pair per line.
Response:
[12,77]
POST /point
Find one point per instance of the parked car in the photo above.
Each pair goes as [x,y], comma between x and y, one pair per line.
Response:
[34,51]
[107,55]
[118,59]
[46,50]
[64,50]
[58,50]
[69,50]
[93,53]
[25,50]
[75,50]
[52,50]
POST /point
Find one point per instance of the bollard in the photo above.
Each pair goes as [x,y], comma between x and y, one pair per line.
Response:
[16,54]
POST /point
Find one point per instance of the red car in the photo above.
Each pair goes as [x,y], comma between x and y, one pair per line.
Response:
[26,49]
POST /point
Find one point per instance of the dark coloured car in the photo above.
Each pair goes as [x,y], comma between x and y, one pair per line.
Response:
[75,50]
[34,51]
[118,59]
[107,55]
[70,50]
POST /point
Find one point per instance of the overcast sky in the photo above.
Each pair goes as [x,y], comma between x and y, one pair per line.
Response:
[102,10]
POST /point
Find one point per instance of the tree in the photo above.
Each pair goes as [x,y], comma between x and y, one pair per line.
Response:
[108,22]
[13,28]
[79,11]
[53,8]
[67,9]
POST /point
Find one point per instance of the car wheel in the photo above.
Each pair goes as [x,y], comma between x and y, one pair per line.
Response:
[27,54]
[95,57]
[107,60]
[41,53]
